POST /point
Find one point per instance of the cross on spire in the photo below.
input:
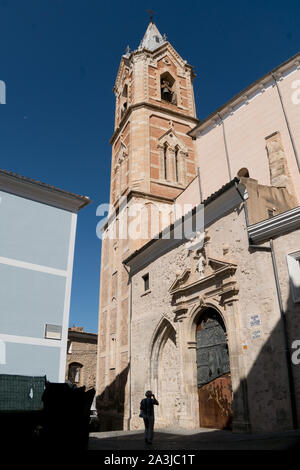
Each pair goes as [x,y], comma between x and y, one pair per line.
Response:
[151,14]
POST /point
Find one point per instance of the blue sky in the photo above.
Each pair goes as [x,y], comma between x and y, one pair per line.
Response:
[59,59]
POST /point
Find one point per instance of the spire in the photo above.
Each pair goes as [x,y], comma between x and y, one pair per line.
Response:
[152,39]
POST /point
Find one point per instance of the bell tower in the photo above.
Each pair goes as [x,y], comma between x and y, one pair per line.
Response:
[155,109]
[153,160]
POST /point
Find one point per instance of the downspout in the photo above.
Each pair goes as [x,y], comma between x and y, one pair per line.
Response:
[199,182]
[129,350]
[282,314]
[287,122]
[225,145]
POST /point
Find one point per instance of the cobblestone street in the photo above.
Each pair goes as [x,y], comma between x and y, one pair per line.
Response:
[200,439]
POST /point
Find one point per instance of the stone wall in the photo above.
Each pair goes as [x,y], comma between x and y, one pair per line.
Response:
[248,127]
[82,349]
[163,352]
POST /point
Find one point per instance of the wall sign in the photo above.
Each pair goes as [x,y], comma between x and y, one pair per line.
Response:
[256,334]
[255,320]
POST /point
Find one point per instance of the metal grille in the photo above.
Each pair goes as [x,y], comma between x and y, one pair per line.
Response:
[20,392]
[212,352]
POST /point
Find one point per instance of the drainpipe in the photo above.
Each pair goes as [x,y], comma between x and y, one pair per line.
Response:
[199,182]
[225,145]
[129,350]
[270,248]
[287,122]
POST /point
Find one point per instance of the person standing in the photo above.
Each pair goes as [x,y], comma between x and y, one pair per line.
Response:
[147,408]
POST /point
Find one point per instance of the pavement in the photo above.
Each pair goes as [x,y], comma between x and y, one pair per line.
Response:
[200,439]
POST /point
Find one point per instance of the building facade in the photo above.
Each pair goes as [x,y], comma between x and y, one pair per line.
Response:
[153,159]
[81,357]
[208,333]
[37,239]
[209,315]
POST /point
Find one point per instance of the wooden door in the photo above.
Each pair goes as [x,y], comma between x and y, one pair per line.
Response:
[213,373]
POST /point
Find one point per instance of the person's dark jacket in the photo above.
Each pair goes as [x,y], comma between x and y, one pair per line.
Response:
[147,406]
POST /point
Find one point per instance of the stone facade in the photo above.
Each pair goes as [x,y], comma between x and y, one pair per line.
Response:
[163,159]
[153,160]
[81,357]
[238,283]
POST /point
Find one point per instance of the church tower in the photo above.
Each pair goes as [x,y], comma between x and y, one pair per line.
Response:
[153,160]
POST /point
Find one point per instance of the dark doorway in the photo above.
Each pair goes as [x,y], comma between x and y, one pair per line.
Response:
[213,372]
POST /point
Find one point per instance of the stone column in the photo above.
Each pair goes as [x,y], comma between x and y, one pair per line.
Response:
[170,164]
[241,422]
[181,168]
[189,412]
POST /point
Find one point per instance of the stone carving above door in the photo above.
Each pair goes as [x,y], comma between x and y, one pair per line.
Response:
[206,279]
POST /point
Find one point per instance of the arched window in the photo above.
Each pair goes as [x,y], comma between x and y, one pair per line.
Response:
[74,372]
[124,97]
[165,161]
[167,83]
[173,155]
[243,172]
[176,164]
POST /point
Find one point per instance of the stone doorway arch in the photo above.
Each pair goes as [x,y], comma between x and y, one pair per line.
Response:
[164,373]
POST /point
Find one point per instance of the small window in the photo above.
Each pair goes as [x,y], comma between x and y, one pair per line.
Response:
[74,372]
[270,213]
[165,162]
[293,262]
[69,347]
[125,91]
[113,346]
[176,164]
[146,281]
[167,84]
[53,332]
[244,172]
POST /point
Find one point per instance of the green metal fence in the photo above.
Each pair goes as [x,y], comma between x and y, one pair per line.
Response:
[20,392]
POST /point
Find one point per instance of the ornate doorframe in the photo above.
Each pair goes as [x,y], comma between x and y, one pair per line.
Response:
[217,288]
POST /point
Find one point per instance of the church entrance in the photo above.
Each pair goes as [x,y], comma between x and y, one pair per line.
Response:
[213,372]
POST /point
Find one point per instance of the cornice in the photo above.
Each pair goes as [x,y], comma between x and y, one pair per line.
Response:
[41,192]
[155,107]
[275,226]
[127,198]
[259,86]
[229,269]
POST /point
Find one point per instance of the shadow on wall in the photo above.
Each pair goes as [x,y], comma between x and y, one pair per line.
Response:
[263,401]
[110,404]
[270,394]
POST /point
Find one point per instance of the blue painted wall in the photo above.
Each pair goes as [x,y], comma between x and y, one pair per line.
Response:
[27,359]
[38,234]
[34,232]
[28,300]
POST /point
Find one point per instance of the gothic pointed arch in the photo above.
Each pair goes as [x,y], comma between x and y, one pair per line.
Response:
[173,155]
[164,369]
[162,330]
